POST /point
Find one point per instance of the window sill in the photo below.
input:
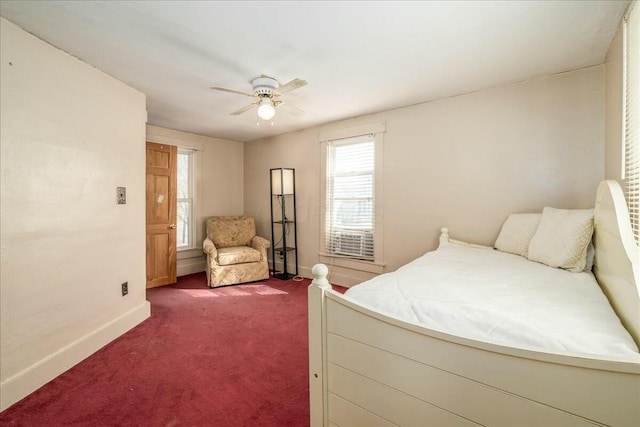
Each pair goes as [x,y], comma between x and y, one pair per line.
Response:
[353,264]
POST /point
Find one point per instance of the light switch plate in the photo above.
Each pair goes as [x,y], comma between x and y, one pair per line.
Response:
[121,195]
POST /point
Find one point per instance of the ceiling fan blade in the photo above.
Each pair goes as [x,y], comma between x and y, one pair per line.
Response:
[290,109]
[243,109]
[293,84]
[223,89]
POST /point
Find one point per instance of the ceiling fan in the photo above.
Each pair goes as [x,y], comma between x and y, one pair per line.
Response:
[266,91]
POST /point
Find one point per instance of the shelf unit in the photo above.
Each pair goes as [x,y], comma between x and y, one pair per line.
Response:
[284,232]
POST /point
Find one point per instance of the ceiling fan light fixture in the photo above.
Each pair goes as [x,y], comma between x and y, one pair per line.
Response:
[266,109]
[266,93]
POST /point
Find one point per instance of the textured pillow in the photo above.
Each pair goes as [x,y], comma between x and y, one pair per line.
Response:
[562,238]
[516,233]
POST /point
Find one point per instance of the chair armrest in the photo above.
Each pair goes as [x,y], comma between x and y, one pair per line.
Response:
[260,243]
[209,248]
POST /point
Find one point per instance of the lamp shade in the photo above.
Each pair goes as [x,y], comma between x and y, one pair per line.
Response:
[281,181]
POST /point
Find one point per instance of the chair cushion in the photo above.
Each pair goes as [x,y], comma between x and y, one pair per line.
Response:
[227,231]
[237,255]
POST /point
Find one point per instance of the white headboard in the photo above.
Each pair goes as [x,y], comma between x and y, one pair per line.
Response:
[617,256]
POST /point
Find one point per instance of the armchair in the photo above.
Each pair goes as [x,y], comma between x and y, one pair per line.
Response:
[234,253]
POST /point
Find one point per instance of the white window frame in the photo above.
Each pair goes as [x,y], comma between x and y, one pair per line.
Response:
[631,113]
[189,200]
[377,131]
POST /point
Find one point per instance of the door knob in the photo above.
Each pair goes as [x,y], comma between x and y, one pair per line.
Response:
[172,226]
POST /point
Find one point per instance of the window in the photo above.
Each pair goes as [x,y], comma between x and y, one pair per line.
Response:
[350,197]
[185,223]
[631,115]
[351,233]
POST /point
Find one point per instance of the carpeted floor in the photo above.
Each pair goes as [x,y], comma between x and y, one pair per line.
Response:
[231,356]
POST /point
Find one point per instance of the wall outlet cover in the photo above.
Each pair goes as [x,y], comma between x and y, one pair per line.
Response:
[121,195]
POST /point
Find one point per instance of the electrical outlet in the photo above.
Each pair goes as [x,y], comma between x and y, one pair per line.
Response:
[125,288]
[121,195]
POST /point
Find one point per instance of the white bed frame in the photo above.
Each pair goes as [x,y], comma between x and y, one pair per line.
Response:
[369,369]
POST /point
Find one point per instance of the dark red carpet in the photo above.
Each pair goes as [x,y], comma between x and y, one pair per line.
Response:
[231,356]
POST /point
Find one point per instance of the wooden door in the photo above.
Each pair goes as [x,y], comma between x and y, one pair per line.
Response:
[161,214]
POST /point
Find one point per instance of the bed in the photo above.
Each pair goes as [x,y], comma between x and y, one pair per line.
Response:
[370,367]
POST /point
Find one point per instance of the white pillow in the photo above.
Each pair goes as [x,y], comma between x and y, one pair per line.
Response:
[562,238]
[591,253]
[516,233]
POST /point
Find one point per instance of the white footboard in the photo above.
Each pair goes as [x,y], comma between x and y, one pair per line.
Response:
[367,369]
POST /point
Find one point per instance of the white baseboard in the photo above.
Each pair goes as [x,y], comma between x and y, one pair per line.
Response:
[337,276]
[345,280]
[305,272]
[342,277]
[190,266]
[302,270]
[34,377]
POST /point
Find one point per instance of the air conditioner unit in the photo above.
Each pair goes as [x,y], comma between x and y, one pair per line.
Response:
[354,243]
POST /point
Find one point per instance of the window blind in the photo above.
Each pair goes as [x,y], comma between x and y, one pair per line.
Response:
[350,197]
[632,113]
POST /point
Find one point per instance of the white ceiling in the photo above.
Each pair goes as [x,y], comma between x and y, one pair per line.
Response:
[358,57]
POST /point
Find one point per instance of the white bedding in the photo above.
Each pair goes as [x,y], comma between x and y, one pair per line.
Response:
[488,295]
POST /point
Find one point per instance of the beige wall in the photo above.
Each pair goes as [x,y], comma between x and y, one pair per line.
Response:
[614,144]
[218,184]
[464,162]
[70,135]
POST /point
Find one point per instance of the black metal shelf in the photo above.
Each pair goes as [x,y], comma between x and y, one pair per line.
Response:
[280,249]
[284,276]
[283,199]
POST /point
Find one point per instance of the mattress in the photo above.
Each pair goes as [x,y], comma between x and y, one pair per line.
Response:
[488,295]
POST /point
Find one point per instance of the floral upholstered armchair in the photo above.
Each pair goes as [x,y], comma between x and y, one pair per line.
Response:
[234,253]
